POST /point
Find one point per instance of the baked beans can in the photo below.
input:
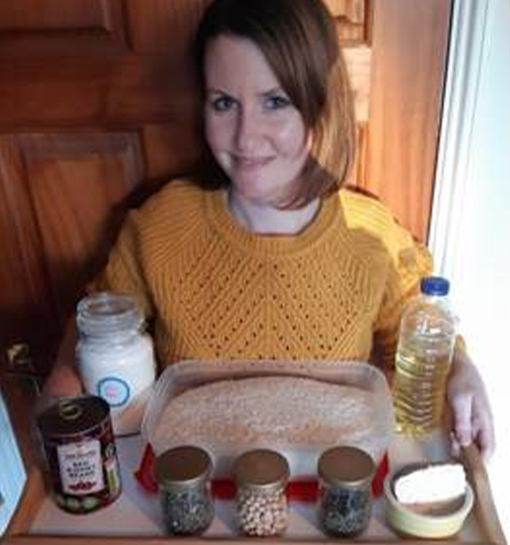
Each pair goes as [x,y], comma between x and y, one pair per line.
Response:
[80,451]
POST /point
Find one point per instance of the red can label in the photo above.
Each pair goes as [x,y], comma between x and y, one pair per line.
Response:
[81,467]
[80,451]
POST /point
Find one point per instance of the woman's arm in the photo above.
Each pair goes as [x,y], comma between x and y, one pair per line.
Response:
[64,379]
[469,403]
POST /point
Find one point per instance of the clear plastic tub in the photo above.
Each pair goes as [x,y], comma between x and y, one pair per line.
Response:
[302,454]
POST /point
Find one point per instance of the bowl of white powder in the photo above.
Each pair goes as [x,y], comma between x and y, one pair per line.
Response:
[428,500]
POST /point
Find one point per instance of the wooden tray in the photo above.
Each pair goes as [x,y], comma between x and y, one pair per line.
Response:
[36,512]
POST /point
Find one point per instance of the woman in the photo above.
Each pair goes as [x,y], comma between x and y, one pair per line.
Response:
[271,263]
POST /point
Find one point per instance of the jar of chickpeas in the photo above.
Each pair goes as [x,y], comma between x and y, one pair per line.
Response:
[261,477]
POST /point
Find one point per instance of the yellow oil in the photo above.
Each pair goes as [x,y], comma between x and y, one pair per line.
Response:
[419,387]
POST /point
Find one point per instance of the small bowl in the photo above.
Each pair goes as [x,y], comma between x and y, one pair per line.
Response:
[407,521]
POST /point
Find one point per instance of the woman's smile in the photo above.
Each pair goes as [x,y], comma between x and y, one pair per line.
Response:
[251,163]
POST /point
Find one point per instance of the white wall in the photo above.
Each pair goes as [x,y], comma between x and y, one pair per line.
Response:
[12,471]
[473,203]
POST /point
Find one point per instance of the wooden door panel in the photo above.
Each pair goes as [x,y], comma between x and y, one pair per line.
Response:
[352,10]
[352,19]
[26,308]
[61,27]
[75,189]
[79,188]
[359,60]
[409,52]
[164,27]
[101,92]
[175,148]
[54,14]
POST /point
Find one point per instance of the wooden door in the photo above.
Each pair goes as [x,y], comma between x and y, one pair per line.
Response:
[98,108]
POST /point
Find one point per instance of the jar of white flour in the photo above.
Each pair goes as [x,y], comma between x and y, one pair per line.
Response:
[116,357]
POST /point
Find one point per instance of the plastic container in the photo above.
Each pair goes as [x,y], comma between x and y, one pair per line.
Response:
[261,504]
[116,356]
[424,354]
[301,456]
[345,507]
[183,474]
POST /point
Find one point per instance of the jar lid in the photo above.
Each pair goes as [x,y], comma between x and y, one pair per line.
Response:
[72,416]
[346,466]
[106,313]
[262,469]
[183,467]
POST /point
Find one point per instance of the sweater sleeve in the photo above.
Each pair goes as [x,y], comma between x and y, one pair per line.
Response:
[409,261]
[124,271]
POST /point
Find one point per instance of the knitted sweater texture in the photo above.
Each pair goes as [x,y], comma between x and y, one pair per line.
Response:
[215,290]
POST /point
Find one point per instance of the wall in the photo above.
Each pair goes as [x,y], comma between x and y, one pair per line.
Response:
[470,235]
[12,474]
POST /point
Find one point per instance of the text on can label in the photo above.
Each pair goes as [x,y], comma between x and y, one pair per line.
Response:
[81,467]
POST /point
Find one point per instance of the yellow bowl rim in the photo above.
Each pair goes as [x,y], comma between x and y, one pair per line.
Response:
[460,513]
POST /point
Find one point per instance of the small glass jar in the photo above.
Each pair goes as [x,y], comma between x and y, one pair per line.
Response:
[183,474]
[261,477]
[345,476]
[116,357]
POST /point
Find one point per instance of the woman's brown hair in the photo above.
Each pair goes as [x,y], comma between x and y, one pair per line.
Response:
[298,38]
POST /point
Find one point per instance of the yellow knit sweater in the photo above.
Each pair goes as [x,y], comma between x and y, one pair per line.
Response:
[215,290]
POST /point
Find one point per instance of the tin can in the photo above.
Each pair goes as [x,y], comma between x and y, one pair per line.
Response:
[80,451]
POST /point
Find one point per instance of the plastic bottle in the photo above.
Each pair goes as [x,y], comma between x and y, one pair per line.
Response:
[424,354]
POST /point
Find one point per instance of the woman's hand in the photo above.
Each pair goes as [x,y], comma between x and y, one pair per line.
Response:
[63,382]
[469,404]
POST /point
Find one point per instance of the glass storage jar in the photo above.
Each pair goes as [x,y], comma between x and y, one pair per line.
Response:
[115,356]
[345,476]
[183,474]
[261,477]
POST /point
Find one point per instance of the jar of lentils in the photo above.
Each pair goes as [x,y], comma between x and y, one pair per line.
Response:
[183,474]
[345,476]
[261,477]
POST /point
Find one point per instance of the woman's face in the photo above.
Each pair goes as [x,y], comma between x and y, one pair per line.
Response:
[256,134]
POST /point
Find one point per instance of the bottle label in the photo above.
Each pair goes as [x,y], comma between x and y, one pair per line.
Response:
[114,390]
[81,468]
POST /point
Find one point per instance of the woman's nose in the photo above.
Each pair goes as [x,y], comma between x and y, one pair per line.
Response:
[248,131]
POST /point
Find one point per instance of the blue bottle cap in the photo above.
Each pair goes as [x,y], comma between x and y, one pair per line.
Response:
[434,285]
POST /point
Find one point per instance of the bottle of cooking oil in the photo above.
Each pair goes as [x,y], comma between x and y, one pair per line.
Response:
[424,354]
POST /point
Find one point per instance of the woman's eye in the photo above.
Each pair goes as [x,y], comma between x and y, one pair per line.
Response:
[276,102]
[222,104]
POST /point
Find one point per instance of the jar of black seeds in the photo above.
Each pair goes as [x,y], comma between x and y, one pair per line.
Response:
[261,477]
[183,474]
[345,476]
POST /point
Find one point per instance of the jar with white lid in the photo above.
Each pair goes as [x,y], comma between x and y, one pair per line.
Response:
[116,356]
